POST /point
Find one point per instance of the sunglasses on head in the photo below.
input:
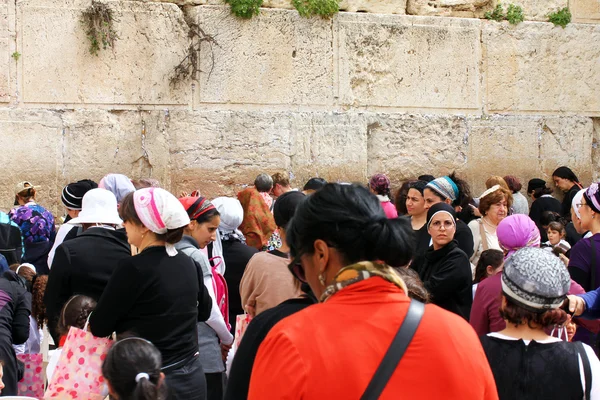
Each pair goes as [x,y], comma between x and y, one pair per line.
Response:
[297,270]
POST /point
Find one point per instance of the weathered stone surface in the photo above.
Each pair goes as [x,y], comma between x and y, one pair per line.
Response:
[586,11]
[538,10]
[4,52]
[567,141]
[31,151]
[409,62]
[374,6]
[275,58]
[58,68]
[449,8]
[537,67]
[133,143]
[406,145]
[596,150]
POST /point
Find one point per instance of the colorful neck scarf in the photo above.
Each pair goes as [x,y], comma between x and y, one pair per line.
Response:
[359,272]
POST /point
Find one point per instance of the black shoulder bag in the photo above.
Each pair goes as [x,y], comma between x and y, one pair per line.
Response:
[392,357]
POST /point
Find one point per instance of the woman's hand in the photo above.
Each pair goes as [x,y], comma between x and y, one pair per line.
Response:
[225,350]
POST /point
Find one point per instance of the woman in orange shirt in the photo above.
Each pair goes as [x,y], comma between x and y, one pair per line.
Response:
[344,247]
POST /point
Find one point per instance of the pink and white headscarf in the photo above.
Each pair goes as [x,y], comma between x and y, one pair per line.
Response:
[160,211]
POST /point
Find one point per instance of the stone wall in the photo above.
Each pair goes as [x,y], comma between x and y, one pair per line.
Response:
[381,91]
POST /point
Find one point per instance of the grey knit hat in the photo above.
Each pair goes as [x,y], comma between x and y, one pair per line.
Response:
[535,279]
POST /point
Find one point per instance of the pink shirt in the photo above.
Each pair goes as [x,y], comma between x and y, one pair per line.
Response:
[390,209]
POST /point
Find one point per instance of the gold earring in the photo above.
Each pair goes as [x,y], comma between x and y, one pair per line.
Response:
[322,279]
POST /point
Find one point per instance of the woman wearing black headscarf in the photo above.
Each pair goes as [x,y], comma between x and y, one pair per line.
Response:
[568,183]
[445,269]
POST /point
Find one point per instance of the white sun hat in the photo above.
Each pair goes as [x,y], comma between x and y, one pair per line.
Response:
[99,206]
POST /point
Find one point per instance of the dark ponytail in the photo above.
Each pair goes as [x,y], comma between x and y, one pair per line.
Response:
[464,192]
[350,219]
[132,366]
[565,173]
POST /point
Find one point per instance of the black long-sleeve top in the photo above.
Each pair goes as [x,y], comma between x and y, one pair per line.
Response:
[156,297]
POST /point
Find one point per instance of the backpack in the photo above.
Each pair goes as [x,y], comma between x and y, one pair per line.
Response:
[220,289]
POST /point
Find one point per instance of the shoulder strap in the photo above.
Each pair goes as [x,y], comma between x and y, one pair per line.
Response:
[484,241]
[394,354]
[587,370]
[593,265]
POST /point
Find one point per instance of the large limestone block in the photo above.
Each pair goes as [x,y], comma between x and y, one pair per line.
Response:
[596,150]
[409,62]
[5,58]
[374,6]
[133,143]
[31,151]
[540,68]
[567,141]
[58,68]
[585,11]
[274,58]
[408,145]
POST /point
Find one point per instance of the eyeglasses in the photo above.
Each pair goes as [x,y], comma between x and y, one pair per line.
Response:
[579,205]
[297,269]
[438,225]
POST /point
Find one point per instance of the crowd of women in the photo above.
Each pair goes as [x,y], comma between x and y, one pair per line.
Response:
[350,290]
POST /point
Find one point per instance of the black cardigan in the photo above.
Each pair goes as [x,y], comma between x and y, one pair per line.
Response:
[83,265]
[446,274]
[156,297]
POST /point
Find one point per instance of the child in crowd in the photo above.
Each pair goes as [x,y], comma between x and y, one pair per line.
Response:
[132,371]
[75,313]
[556,238]
[489,264]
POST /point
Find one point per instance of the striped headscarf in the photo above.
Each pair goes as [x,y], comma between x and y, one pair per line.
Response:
[445,187]
[196,206]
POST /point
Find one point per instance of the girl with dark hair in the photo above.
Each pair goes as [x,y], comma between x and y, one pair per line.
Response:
[132,370]
[520,204]
[542,202]
[415,204]
[566,181]
[445,269]
[455,192]
[526,362]
[213,335]
[158,293]
[345,248]
[380,186]
[401,196]
[489,264]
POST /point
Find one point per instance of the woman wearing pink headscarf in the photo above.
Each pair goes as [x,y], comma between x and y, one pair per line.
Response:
[514,232]
[158,294]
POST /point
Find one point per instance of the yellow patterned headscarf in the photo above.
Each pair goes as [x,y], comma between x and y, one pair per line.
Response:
[361,271]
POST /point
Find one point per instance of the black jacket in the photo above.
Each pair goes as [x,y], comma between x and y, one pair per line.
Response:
[15,308]
[446,274]
[241,368]
[11,244]
[463,236]
[83,265]
[541,205]
[568,201]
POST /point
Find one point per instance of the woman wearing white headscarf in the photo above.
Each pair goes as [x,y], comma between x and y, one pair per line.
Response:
[231,246]
[158,294]
[118,184]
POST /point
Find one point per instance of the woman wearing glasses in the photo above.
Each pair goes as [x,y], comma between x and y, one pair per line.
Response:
[584,263]
[444,268]
[345,248]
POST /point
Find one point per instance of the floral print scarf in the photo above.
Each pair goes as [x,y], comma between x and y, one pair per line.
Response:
[258,224]
[35,222]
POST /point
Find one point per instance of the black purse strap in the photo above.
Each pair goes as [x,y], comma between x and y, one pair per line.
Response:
[394,354]
[587,369]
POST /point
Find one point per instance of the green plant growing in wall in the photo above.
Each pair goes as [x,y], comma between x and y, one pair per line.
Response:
[322,8]
[16,55]
[245,8]
[514,14]
[496,15]
[98,20]
[561,17]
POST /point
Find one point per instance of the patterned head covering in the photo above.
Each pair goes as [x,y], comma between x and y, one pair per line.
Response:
[196,206]
[160,211]
[535,279]
[258,224]
[592,197]
[380,183]
[517,231]
[577,200]
[445,187]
